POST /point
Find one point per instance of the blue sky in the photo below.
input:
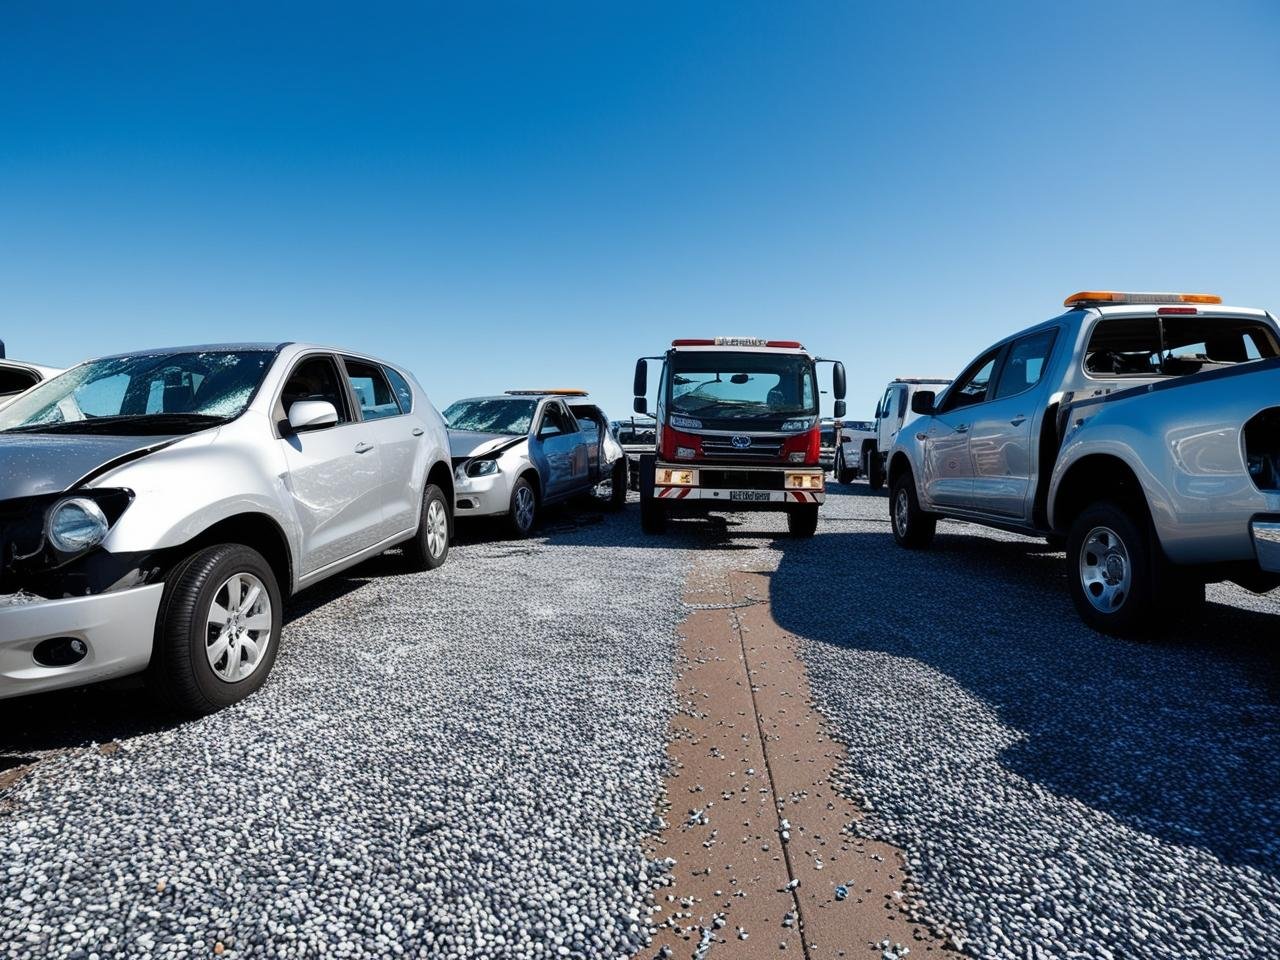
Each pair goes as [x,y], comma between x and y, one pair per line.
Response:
[534,194]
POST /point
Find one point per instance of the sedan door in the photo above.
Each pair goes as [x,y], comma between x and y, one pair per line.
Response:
[334,473]
[948,467]
[1001,442]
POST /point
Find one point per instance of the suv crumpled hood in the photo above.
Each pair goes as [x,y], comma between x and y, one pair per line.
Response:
[32,464]
[466,443]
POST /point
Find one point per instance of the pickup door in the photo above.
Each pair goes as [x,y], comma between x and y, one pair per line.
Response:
[1002,445]
[948,465]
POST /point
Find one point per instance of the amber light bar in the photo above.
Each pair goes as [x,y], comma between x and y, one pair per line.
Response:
[1117,296]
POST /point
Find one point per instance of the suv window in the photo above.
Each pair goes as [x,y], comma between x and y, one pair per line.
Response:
[316,378]
[373,393]
[404,393]
[554,421]
[972,385]
[1024,366]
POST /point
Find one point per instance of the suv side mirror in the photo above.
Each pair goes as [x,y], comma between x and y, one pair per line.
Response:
[839,410]
[640,405]
[312,415]
[922,402]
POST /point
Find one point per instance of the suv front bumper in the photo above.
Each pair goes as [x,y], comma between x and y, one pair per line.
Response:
[116,628]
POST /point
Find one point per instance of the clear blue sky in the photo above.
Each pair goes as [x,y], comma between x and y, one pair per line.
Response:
[537,193]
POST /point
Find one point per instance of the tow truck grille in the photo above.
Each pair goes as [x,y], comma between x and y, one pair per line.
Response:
[760,449]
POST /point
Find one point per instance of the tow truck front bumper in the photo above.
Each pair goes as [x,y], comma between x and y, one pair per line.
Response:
[738,488]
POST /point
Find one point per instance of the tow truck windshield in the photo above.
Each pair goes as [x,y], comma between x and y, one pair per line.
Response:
[742,385]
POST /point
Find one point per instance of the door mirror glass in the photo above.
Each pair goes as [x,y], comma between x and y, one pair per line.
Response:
[640,384]
[312,415]
[641,406]
[922,402]
[839,410]
[838,384]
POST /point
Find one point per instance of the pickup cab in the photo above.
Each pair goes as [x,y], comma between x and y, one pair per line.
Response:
[1140,431]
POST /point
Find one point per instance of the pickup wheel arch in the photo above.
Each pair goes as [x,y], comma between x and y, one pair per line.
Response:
[1091,478]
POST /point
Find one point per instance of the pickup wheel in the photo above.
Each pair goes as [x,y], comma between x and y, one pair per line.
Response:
[429,547]
[875,470]
[803,521]
[1110,570]
[523,515]
[913,527]
[842,472]
[217,630]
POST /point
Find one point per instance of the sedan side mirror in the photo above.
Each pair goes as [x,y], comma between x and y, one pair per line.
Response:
[922,402]
[312,415]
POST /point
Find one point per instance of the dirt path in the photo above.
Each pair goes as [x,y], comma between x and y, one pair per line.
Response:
[763,862]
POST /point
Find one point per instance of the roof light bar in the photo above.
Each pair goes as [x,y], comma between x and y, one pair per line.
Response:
[1117,296]
[740,342]
[555,392]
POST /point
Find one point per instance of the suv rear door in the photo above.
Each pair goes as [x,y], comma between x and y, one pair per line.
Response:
[1001,444]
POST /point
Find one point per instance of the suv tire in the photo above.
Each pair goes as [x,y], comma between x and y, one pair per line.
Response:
[913,527]
[523,515]
[429,547]
[217,631]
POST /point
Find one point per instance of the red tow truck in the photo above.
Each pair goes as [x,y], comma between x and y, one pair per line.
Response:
[737,429]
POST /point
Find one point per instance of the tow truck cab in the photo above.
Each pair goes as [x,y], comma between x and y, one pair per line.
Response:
[737,429]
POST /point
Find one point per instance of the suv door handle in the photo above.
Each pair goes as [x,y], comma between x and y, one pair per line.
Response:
[962,428]
[418,431]
[1019,420]
[363,447]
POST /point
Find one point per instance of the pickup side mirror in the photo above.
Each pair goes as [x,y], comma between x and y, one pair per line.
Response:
[922,402]
[839,410]
[838,384]
[312,415]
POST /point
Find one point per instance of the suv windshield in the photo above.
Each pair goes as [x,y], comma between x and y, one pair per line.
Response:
[510,415]
[742,385]
[154,394]
[1175,346]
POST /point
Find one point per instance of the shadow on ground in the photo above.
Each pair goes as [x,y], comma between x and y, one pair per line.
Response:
[1178,737]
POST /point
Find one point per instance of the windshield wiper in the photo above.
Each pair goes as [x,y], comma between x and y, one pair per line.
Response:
[128,424]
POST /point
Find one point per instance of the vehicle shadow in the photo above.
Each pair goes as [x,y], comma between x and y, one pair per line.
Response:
[1178,737]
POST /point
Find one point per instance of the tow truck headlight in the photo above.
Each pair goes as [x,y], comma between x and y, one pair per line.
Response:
[795,426]
[667,477]
[685,453]
[796,456]
[75,525]
[686,423]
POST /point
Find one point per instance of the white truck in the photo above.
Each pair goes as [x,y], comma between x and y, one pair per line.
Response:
[893,411]
[852,439]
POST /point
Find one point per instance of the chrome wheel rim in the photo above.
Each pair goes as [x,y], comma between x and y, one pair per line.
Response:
[238,628]
[901,511]
[524,508]
[437,528]
[1106,572]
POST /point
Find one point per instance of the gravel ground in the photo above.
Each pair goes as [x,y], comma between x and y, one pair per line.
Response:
[1058,793]
[455,764]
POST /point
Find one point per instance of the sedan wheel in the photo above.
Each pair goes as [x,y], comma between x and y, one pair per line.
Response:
[524,508]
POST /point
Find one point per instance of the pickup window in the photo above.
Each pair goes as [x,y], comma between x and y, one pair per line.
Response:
[1024,366]
[972,386]
[1175,346]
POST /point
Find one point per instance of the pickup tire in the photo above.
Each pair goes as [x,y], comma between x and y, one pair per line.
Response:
[913,527]
[523,515]
[429,547]
[875,470]
[217,630]
[842,472]
[1110,569]
[653,513]
[802,521]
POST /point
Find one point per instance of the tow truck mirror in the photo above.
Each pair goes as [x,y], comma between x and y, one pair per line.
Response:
[640,385]
[837,381]
[839,410]
[641,406]
[922,402]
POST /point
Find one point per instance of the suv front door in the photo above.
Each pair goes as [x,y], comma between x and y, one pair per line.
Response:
[561,449]
[1001,444]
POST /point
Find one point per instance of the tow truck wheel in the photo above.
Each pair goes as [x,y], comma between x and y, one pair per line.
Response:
[913,528]
[653,514]
[1109,570]
[803,521]
[875,470]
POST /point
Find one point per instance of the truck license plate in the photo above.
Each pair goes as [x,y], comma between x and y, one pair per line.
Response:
[748,494]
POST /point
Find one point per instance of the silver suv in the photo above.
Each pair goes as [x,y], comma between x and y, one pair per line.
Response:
[156,509]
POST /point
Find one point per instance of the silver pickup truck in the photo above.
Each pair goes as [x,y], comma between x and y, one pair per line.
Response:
[1140,431]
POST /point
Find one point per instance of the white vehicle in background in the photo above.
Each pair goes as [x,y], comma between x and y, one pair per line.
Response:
[638,436]
[852,437]
[18,376]
[892,413]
